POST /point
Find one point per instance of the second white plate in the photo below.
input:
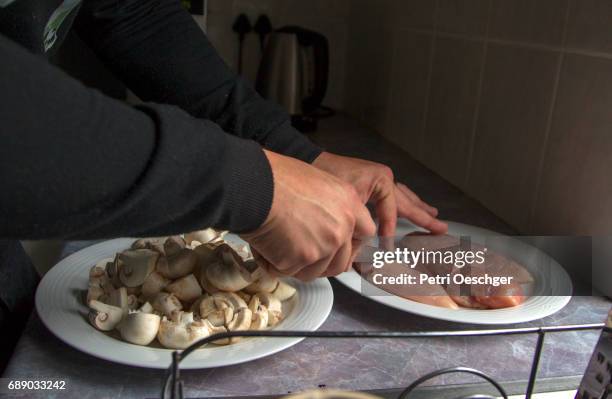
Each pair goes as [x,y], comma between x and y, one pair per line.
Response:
[554,282]
[59,302]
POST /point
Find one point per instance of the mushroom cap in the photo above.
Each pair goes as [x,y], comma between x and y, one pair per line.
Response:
[146,308]
[284,291]
[103,316]
[187,288]
[206,254]
[139,328]
[166,303]
[265,283]
[203,280]
[155,244]
[173,245]
[136,266]
[181,330]
[178,265]
[153,285]
[228,277]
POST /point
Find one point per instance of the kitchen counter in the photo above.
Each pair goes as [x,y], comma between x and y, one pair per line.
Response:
[347,364]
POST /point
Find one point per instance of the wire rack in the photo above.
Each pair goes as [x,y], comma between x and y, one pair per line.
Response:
[172,386]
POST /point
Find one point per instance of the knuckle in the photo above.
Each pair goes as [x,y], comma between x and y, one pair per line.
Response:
[386,171]
[307,256]
[337,237]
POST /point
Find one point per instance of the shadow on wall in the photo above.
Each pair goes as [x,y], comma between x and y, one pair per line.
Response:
[508,100]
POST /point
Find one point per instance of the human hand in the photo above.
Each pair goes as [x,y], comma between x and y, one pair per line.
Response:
[312,222]
[374,183]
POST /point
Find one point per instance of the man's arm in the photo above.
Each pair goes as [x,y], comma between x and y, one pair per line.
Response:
[161,54]
[76,164]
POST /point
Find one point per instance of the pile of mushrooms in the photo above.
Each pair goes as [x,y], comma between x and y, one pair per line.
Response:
[181,289]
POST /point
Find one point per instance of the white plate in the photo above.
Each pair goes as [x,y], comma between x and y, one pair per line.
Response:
[60,306]
[551,288]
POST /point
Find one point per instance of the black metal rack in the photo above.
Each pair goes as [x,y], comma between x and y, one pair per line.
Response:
[173,386]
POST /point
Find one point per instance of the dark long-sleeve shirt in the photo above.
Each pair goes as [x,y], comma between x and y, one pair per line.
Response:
[77,164]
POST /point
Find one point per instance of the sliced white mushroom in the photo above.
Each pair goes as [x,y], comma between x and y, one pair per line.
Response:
[204,236]
[181,330]
[241,322]
[243,250]
[234,300]
[260,319]
[154,284]
[97,273]
[231,274]
[217,330]
[206,254]
[195,305]
[284,291]
[94,292]
[103,316]
[119,298]
[132,302]
[136,291]
[194,244]
[173,245]
[100,267]
[187,288]
[146,308]
[245,297]
[112,270]
[274,306]
[154,244]
[265,283]
[136,266]
[139,328]
[219,308]
[166,303]
[178,265]
[260,314]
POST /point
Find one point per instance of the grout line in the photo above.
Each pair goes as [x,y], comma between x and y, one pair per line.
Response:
[516,43]
[429,79]
[553,103]
[472,143]
[390,126]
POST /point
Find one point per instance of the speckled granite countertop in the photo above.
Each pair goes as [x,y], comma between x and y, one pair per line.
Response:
[347,364]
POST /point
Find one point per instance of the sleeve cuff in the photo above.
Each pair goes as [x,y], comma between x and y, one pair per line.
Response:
[250,186]
[286,140]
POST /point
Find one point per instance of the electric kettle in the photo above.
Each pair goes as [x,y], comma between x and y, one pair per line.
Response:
[294,72]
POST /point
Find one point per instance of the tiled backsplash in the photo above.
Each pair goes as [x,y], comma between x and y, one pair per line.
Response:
[510,100]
